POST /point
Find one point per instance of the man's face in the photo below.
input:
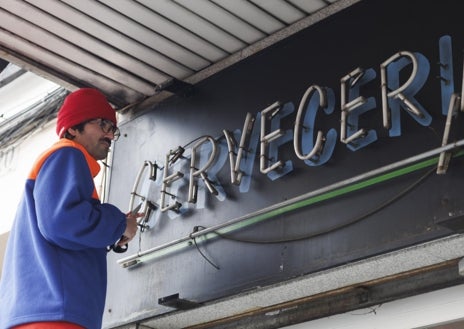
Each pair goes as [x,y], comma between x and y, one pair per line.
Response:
[94,139]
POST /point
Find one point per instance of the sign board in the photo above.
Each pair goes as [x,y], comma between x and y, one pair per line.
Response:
[336,144]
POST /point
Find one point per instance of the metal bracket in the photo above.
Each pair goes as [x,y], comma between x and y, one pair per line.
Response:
[178,303]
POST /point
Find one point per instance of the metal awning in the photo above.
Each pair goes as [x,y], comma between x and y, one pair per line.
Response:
[133,49]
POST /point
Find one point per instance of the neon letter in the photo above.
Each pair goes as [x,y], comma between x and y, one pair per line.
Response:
[395,96]
[268,151]
[320,151]
[352,106]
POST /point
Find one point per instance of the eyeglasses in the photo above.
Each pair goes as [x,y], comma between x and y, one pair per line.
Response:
[107,127]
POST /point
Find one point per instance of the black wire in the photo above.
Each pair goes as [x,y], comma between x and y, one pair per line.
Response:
[332,229]
[201,253]
[194,140]
[185,146]
[30,119]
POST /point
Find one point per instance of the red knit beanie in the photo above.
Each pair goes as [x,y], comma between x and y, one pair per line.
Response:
[83,105]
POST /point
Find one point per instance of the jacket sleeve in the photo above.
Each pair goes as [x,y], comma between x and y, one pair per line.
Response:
[67,215]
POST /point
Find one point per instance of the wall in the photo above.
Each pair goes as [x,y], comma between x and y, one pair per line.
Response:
[3,240]
[15,163]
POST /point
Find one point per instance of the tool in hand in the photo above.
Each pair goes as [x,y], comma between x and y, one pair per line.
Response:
[120,249]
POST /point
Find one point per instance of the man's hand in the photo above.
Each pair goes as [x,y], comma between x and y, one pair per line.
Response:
[131,228]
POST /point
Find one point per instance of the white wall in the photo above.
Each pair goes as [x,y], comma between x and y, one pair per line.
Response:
[15,164]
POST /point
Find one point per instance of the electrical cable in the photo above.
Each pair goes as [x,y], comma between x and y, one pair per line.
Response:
[181,149]
[357,219]
[195,140]
[26,122]
[140,242]
[194,239]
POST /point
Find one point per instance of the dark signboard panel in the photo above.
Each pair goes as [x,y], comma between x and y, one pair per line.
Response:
[375,79]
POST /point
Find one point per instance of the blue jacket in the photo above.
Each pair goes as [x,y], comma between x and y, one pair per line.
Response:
[55,262]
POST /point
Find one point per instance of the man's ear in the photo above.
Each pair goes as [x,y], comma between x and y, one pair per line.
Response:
[72,132]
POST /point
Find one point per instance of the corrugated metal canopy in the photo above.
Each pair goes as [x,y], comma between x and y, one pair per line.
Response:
[132,49]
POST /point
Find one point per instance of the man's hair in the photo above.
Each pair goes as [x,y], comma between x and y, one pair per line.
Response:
[79,127]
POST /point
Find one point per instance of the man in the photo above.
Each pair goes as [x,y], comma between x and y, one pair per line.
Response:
[54,273]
